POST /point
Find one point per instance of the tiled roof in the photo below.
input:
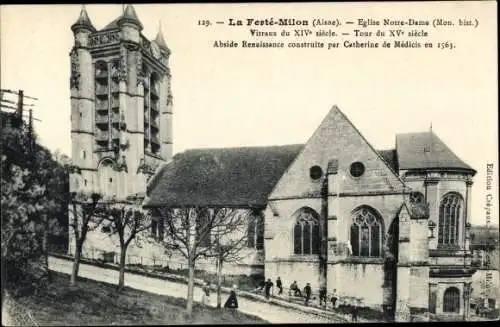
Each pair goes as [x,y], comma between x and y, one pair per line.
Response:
[235,177]
[426,151]
[113,25]
[244,177]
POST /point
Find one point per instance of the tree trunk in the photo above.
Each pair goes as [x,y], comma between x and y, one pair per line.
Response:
[219,283]
[121,279]
[189,305]
[45,249]
[76,264]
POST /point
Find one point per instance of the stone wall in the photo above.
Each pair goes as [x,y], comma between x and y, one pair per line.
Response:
[301,271]
[361,280]
[152,253]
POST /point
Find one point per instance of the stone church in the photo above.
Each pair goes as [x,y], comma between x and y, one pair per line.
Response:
[390,227]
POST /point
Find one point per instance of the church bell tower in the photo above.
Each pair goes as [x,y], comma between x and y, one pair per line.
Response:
[121,106]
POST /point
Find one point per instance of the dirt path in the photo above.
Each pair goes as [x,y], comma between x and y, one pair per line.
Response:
[270,312]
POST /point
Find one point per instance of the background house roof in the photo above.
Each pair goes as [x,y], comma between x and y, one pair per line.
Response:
[426,151]
[230,177]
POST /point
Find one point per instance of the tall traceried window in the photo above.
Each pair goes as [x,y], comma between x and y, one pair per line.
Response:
[451,300]
[255,231]
[366,233]
[450,214]
[306,238]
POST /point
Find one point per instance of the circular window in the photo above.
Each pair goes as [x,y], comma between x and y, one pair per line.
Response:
[315,172]
[357,169]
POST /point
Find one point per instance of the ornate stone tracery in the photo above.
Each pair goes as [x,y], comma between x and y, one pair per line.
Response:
[366,233]
[306,232]
[103,39]
[75,74]
[122,71]
[450,216]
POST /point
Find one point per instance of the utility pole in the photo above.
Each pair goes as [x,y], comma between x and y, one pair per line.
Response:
[20,104]
[30,131]
[14,116]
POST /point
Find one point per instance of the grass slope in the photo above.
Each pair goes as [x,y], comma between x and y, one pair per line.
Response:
[96,303]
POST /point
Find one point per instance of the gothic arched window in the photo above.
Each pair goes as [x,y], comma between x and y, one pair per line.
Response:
[451,300]
[306,236]
[450,213]
[366,233]
[255,231]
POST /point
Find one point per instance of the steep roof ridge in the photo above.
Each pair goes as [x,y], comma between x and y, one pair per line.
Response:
[371,147]
[242,147]
[171,189]
[448,149]
[299,154]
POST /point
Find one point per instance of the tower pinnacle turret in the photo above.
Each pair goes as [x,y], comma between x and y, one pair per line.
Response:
[83,22]
[129,16]
[160,40]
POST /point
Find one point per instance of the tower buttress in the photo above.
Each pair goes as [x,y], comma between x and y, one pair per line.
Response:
[166,110]
[82,100]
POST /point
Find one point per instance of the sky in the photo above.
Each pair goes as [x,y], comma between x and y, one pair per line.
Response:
[249,97]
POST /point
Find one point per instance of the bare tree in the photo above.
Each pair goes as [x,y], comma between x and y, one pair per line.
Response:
[187,231]
[126,219]
[230,236]
[83,207]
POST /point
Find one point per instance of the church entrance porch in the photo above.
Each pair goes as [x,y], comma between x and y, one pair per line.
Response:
[449,293]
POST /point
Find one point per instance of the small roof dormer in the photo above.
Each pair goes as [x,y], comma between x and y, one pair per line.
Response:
[83,21]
